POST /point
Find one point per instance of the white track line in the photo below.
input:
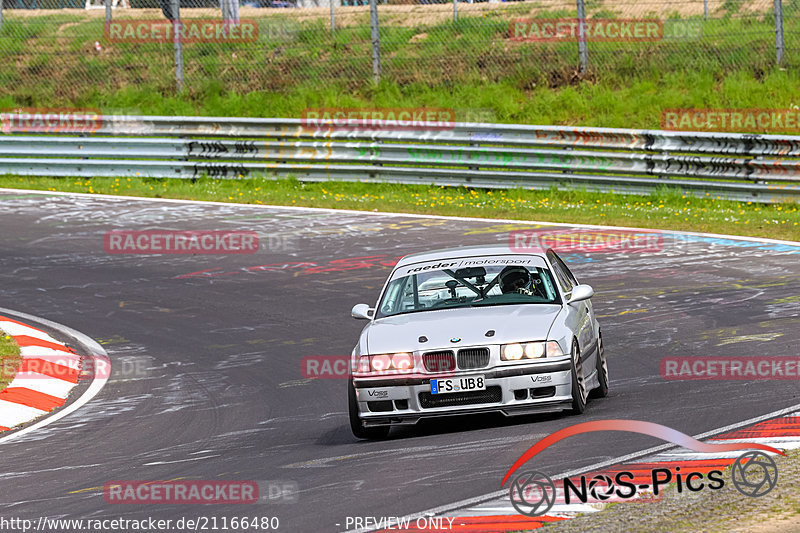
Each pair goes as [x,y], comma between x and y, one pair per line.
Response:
[97,384]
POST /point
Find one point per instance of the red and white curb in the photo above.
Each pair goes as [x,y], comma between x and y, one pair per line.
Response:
[48,373]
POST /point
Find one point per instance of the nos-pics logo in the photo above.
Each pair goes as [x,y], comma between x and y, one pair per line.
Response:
[534,493]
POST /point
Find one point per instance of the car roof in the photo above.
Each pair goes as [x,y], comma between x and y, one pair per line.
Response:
[470,251]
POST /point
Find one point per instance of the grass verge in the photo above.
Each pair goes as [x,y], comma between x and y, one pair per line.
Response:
[637,102]
[664,209]
[10,359]
[472,66]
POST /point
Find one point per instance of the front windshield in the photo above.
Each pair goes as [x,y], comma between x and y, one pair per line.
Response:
[447,288]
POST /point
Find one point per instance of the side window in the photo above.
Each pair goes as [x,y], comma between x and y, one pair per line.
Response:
[560,271]
[547,281]
[394,295]
[569,273]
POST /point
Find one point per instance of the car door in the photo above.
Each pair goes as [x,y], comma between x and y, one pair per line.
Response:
[580,313]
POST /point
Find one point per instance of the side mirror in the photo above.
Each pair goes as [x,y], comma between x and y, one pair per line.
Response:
[581,293]
[362,311]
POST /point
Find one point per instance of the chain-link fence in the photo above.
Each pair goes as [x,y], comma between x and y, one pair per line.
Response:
[70,49]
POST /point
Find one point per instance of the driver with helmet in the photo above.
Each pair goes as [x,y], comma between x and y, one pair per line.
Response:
[516,279]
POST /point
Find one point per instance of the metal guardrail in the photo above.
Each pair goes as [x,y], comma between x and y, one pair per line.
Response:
[736,166]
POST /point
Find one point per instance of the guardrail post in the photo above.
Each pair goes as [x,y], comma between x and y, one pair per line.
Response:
[376,41]
[583,50]
[779,44]
[177,44]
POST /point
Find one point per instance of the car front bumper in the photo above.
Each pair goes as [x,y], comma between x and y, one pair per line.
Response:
[510,390]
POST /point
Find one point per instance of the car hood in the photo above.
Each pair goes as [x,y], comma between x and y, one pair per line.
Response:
[511,323]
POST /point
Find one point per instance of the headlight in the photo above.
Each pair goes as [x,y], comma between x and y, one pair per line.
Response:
[512,352]
[381,362]
[386,362]
[402,361]
[529,350]
[534,350]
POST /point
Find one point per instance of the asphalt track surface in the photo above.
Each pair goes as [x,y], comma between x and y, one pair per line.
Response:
[206,351]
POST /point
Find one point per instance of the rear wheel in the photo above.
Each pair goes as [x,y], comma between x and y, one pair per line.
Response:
[373,433]
[602,371]
[578,381]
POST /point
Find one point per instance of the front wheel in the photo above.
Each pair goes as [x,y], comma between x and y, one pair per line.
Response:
[578,381]
[360,432]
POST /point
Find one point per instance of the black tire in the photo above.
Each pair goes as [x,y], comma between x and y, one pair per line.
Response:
[602,371]
[360,432]
[578,381]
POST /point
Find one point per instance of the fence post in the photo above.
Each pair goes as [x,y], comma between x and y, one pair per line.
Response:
[705,9]
[780,47]
[455,10]
[376,41]
[1,13]
[108,12]
[177,44]
[230,11]
[333,17]
[583,50]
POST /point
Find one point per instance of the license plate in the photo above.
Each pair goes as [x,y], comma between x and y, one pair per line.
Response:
[466,383]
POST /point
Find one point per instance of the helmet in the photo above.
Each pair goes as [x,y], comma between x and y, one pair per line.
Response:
[514,278]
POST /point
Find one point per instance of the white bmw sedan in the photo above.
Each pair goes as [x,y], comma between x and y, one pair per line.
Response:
[475,329]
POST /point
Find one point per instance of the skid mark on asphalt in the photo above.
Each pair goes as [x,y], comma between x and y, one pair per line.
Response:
[11,475]
[415,451]
[295,383]
[100,488]
[155,463]
[241,359]
[758,337]
[626,312]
